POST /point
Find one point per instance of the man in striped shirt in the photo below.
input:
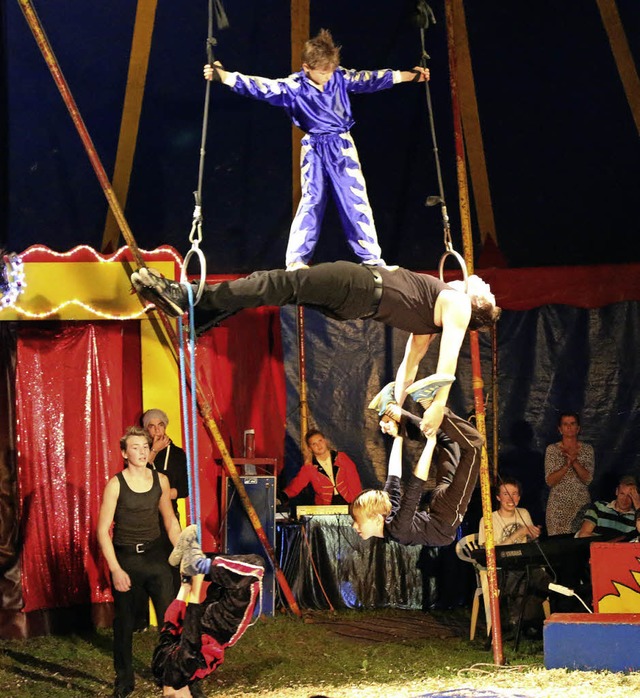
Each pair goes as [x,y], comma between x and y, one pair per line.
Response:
[616,518]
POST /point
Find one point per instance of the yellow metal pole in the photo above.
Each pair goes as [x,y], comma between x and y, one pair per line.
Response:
[496,397]
[299,34]
[478,393]
[302,367]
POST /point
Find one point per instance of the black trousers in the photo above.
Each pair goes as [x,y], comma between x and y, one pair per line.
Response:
[340,290]
[150,577]
[457,458]
[456,475]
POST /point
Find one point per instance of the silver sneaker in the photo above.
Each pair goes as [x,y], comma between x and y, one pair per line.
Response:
[187,537]
[423,391]
[170,296]
[190,557]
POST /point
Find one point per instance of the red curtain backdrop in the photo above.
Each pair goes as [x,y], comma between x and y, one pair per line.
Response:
[580,287]
[77,388]
[241,373]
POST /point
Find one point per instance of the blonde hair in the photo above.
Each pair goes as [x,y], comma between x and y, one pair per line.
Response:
[133,431]
[369,503]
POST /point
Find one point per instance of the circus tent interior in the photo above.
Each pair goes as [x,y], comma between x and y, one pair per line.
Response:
[550,109]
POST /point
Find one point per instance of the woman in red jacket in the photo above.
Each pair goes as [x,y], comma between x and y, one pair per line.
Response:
[332,474]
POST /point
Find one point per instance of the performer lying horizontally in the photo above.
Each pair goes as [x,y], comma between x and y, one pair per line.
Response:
[417,303]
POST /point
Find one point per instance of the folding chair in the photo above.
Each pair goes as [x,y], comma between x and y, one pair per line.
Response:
[463,548]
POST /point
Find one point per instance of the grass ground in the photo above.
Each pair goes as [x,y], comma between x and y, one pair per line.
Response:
[283,657]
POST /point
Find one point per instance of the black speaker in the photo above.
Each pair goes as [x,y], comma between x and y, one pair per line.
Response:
[239,536]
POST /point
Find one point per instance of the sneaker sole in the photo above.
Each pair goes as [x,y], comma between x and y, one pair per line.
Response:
[151,288]
[426,388]
[377,400]
[184,543]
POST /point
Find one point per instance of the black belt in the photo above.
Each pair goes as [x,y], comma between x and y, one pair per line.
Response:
[138,548]
[377,290]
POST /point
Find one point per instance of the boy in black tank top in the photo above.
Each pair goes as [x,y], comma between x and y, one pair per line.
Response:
[136,558]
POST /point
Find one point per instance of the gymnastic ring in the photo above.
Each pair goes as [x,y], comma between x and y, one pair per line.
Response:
[195,249]
[461,262]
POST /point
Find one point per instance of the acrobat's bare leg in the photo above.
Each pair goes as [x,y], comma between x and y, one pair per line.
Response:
[421,470]
[395,457]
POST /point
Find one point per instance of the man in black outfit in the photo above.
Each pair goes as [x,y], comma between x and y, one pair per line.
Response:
[171,460]
[167,458]
[136,558]
[417,303]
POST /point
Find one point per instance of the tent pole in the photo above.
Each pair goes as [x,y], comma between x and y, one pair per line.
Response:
[299,35]
[302,366]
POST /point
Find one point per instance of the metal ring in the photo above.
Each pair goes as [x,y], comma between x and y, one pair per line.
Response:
[461,262]
[203,271]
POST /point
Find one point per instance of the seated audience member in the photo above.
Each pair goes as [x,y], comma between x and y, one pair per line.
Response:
[523,461]
[513,525]
[637,538]
[568,467]
[332,474]
[510,523]
[616,518]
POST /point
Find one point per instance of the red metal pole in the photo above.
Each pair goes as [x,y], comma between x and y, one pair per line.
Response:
[478,393]
[302,364]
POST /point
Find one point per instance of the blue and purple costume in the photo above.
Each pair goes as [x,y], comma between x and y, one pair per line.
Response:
[329,158]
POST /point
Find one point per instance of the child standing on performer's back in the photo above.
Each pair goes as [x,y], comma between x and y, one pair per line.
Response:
[317,100]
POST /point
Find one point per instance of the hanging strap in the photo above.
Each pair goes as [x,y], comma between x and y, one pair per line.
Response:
[216,9]
[424,18]
[189,412]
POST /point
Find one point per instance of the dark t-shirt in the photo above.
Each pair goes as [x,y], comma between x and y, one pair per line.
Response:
[405,524]
[136,515]
[408,300]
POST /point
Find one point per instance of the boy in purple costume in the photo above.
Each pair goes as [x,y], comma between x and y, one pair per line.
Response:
[317,101]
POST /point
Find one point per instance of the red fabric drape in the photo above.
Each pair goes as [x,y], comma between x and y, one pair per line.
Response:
[580,287]
[77,388]
[240,371]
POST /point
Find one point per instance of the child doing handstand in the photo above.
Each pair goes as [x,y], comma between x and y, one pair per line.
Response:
[195,636]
